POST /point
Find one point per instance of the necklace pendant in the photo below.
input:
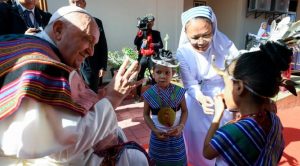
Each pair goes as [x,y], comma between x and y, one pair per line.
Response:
[166,116]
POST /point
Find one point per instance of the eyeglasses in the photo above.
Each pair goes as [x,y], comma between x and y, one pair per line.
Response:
[203,38]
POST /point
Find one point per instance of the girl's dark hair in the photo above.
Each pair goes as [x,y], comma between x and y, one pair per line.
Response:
[261,70]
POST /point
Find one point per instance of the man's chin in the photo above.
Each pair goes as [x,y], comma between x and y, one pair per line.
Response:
[78,63]
[76,66]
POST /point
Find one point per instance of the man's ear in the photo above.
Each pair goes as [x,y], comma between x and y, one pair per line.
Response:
[57,29]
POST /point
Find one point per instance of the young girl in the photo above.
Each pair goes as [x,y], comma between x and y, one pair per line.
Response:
[166,103]
[255,138]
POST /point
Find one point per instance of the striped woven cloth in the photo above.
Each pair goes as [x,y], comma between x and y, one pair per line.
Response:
[167,152]
[157,97]
[27,70]
[245,142]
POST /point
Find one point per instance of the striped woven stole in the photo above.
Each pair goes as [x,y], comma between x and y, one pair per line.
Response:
[245,143]
[172,96]
[26,70]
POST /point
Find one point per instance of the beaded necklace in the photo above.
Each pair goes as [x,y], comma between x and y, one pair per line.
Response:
[258,116]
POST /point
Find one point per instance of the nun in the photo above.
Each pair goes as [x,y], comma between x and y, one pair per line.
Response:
[200,41]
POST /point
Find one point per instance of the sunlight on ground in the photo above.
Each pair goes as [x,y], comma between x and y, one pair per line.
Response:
[127,123]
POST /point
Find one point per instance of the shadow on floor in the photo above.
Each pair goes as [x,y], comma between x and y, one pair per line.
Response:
[290,135]
[290,160]
[131,120]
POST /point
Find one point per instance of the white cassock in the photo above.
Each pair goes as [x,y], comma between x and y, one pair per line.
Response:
[43,135]
[198,76]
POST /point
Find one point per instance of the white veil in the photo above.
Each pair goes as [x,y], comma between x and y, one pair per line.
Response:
[220,43]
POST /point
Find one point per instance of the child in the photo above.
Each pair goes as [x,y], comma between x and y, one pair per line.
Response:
[168,109]
[255,138]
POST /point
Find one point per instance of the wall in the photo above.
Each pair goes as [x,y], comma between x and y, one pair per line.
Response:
[227,16]
[233,22]
[188,4]
[298,11]
[120,24]
[119,18]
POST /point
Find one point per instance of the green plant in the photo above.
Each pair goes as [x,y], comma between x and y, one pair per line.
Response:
[115,59]
[132,54]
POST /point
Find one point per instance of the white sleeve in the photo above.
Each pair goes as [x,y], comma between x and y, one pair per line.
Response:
[94,126]
[37,130]
[190,82]
[233,53]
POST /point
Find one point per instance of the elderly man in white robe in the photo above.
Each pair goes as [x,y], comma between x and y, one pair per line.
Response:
[48,115]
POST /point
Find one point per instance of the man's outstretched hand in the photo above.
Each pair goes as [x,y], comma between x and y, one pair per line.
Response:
[123,83]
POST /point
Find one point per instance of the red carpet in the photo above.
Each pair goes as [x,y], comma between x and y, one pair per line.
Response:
[130,118]
[289,113]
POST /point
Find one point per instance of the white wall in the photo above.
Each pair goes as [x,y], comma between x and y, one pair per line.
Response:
[232,20]
[119,18]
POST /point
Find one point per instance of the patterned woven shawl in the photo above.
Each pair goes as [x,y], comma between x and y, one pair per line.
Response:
[245,143]
[171,96]
[26,70]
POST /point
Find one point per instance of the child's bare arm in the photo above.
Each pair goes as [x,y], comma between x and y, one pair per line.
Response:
[160,134]
[147,117]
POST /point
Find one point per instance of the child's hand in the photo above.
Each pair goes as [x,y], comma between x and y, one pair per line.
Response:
[160,134]
[176,131]
[219,108]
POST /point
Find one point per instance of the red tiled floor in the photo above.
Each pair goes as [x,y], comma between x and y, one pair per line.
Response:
[130,117]
[289,113]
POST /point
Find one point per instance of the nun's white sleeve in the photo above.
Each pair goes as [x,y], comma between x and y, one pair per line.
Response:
[233,53]
[189,78]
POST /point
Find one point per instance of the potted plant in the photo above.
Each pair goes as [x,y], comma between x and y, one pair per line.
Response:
[115,59]
[132,54]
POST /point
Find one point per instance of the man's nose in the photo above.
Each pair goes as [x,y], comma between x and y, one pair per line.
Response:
[90,50]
